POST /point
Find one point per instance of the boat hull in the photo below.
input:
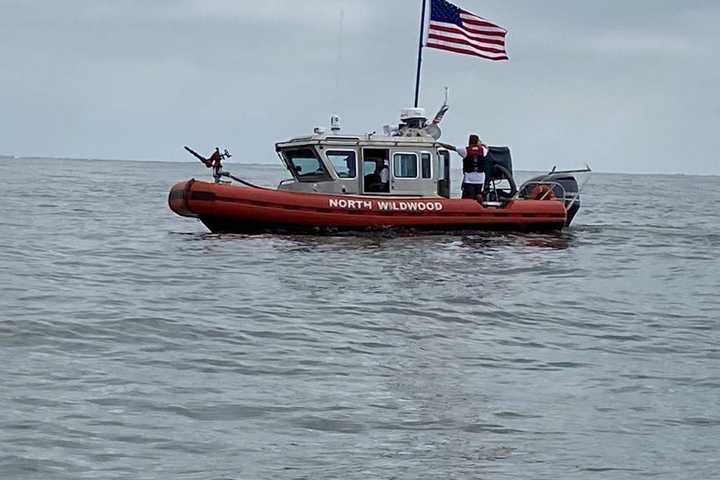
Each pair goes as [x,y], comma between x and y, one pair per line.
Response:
[239,209]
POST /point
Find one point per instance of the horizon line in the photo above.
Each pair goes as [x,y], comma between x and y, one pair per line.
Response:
[83,159]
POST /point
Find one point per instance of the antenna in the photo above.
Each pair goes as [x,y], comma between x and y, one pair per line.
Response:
[338,67]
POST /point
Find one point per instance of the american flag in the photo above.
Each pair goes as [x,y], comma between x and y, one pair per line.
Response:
[456,30]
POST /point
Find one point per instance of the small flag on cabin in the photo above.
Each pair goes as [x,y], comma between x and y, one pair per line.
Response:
[456,30]
[439,116]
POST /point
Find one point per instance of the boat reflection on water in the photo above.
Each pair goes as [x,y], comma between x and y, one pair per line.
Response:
[560,240]
[367,241]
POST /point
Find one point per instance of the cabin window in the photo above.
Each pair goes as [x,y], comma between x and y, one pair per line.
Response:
[405,165]
[344,163]
[426,160]
[305,165]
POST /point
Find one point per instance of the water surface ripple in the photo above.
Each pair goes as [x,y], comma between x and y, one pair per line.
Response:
[135,344]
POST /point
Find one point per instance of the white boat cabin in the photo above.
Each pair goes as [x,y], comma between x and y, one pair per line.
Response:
[407,161]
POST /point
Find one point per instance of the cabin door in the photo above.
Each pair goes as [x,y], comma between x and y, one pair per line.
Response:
[376,170]
[412,173]
[443,174]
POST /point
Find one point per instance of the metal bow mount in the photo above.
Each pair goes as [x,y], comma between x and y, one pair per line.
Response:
[214,162]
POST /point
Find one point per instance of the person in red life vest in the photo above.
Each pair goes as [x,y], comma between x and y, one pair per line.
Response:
[474,166]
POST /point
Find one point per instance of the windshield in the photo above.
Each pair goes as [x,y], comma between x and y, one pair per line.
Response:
[305,165]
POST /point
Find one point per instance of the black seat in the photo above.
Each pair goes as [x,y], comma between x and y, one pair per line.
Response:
[373,183]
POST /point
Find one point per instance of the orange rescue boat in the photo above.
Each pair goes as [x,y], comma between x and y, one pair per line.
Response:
[400,180]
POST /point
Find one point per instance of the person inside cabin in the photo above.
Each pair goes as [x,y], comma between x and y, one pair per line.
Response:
[382,170]
[475,164]
[377,181]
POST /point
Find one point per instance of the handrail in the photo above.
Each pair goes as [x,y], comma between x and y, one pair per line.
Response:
[587,169]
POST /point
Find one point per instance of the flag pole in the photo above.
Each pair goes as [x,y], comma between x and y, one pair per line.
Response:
[420,47]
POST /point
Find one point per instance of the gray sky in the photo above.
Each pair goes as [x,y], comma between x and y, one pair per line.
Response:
[629,86]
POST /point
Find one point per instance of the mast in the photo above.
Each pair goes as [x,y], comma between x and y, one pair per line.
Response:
[420,47]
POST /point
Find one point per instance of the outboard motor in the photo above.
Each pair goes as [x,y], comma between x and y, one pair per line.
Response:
[499,168]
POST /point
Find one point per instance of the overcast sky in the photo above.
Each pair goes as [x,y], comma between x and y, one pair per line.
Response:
[629,86]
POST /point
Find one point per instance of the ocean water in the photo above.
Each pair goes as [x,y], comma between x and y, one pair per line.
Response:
[135,344]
